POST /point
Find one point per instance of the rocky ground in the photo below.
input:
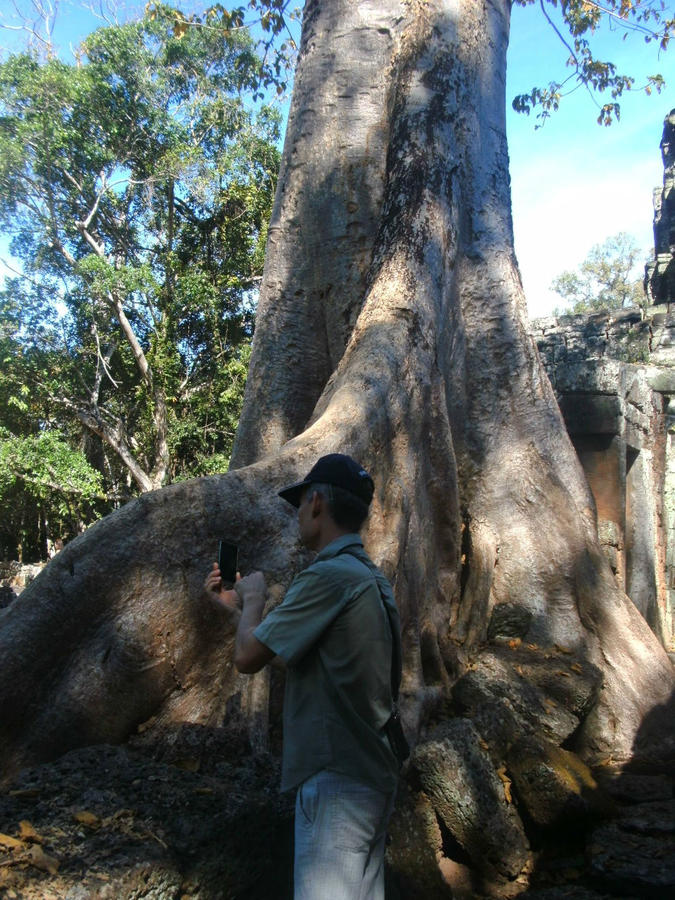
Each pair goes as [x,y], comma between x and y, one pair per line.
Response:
[631,854]
[121,823]
[113,823]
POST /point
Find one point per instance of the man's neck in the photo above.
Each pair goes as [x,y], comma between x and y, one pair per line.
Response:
[329,534]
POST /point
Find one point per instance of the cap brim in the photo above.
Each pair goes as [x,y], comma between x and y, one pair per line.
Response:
[293,493]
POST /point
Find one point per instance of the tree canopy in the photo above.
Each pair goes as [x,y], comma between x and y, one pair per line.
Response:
[605,279]
[578,21]
[136,185]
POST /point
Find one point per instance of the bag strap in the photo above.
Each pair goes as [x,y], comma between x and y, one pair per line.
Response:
[396,653]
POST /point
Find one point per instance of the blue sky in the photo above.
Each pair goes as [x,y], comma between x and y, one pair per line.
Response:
[574,183]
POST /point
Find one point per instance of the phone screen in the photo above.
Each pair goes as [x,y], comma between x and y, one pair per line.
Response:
[227,562]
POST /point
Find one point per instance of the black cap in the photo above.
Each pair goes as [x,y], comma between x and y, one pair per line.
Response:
[339,470]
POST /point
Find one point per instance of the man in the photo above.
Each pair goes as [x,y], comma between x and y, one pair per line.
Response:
[337,630]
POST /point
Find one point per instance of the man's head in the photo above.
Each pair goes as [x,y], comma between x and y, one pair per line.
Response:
[332,499]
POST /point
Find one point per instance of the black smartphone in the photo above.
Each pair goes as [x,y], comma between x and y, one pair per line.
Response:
[227,562]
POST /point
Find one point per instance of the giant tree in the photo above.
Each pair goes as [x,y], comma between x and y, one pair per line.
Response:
[391,326]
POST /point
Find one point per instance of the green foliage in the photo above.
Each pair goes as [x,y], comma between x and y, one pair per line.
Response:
[579,20]
[605,279]
[136,187]
[46,487]
[272,17]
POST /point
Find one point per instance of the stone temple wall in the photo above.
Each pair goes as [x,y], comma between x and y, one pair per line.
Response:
[614,376]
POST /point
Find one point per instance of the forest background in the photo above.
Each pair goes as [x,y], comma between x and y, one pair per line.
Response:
[141,245]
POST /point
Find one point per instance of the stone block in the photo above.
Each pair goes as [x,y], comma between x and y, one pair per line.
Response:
[626,316]
[498,725]
[543,324]
[470,799]
[503,673]
[590,376]
[633,857]
[554,785]
[663,382]
[509,620]
[610,533]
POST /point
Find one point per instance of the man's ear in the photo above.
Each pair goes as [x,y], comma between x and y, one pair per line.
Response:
[317,504]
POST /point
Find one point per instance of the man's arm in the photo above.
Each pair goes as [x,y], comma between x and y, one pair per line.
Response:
[250,654]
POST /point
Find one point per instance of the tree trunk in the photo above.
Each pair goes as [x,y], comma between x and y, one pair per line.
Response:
[391,326]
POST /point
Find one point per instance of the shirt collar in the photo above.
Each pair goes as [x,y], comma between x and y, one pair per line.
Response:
[339,544]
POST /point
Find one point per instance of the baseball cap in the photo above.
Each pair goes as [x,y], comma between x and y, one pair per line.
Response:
[339,470]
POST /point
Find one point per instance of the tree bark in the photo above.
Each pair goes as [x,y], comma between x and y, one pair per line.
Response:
[391,326]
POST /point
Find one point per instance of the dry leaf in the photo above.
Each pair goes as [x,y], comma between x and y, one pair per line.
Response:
[25,792]
[28,833]
[506,781]
[484,744]
[519,670]
[549,702]
[87,818]
[577,668]
[532,646]
[209,790]
[515,642]
[11,843]
[561,649]
[145,725]
[563,674]
[42,860]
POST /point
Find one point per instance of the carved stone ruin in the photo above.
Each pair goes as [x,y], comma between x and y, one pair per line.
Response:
[660,272]
[614,376]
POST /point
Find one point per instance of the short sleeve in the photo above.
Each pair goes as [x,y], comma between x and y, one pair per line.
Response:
[309,607]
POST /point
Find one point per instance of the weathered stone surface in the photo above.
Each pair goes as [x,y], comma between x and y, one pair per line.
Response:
[416,849]
[470,800]
[509,620]
[548,690]
[631,787]
[554,785]
[600,376]
[626,316]
[614,378]
[635,856]
[569,680]
[663,382]
[499,727]
[660,272]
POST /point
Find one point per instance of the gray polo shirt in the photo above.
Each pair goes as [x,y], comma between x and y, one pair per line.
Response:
[333,632]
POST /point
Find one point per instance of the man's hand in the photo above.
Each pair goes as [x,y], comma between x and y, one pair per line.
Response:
[252,590]
[250,655]
[216,593]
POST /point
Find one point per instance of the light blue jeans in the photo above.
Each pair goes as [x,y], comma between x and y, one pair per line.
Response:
[340,833]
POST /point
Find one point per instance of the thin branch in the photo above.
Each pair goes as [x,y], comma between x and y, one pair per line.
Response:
[559,33]
[626,23]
